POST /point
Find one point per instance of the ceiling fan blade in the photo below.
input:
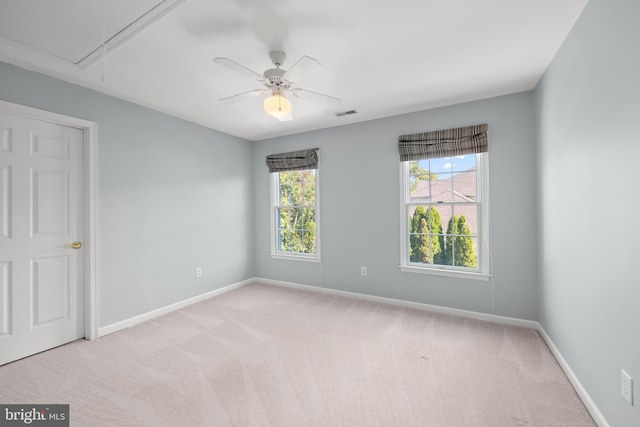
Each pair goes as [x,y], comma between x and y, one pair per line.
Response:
[319,98]
[239,68]
[242,96]
[301,68]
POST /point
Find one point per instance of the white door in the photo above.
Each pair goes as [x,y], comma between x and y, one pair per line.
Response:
[41,224]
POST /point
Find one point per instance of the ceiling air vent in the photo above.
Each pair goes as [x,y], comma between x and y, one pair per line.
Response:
[346,113]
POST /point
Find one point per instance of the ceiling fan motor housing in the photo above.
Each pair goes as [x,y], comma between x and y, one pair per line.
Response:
[274,81]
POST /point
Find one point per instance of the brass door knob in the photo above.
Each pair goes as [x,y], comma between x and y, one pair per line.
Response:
[76,245]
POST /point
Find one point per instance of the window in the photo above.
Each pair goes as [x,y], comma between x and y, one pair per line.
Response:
[294,205]
[444,222]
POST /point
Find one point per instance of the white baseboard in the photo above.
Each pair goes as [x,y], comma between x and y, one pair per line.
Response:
[115,327]
[409,304]
[573,379]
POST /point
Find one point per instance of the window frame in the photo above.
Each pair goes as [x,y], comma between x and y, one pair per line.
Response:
[483,272]
[274,205]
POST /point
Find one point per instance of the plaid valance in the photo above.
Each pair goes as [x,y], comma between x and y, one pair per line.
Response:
[443,143]
[294,160]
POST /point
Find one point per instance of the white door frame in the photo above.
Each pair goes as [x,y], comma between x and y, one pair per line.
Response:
[89,209]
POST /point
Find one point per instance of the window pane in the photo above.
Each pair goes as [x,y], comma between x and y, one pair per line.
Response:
[449,240]
[419,168]
[464,163]
[296,230]
[419,190]
[425,234]
[442,165]
[290,188]
[460,244]
[467,218]
[309,187]
[442,189]
[288,178]
[285,195]
[464,186]
[466,252]
[308,218]
[289,218]
[445,211]
[419,177]
[290,241]
[308,238]
[299,241]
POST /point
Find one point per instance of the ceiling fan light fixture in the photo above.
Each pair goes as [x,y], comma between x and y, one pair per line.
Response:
[277,106]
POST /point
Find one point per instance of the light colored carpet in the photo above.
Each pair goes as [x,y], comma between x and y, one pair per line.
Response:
[270,356]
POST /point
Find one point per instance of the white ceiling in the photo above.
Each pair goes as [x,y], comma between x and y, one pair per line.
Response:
[381,58]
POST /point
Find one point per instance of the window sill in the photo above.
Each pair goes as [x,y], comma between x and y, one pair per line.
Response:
[292,257]
[447,273]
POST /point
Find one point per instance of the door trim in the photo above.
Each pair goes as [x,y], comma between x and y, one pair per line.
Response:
[89,130]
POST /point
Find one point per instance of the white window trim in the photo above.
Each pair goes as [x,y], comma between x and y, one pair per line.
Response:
[484,248]
[292,256]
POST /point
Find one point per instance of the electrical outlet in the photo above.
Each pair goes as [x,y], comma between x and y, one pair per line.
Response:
[198,272]
[363,271]
[627,387]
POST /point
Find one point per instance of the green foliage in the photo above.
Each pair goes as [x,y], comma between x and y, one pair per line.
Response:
[296,214]
[459,248]
[447,258]
[425,239]
[465,252]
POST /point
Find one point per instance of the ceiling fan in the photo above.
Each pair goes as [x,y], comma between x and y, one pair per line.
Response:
[279,83]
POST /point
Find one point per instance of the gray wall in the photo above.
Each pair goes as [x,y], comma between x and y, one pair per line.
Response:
[359,190]
[169,198]
[588,108]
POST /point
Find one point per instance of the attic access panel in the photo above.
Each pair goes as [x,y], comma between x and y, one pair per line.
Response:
[74,30]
